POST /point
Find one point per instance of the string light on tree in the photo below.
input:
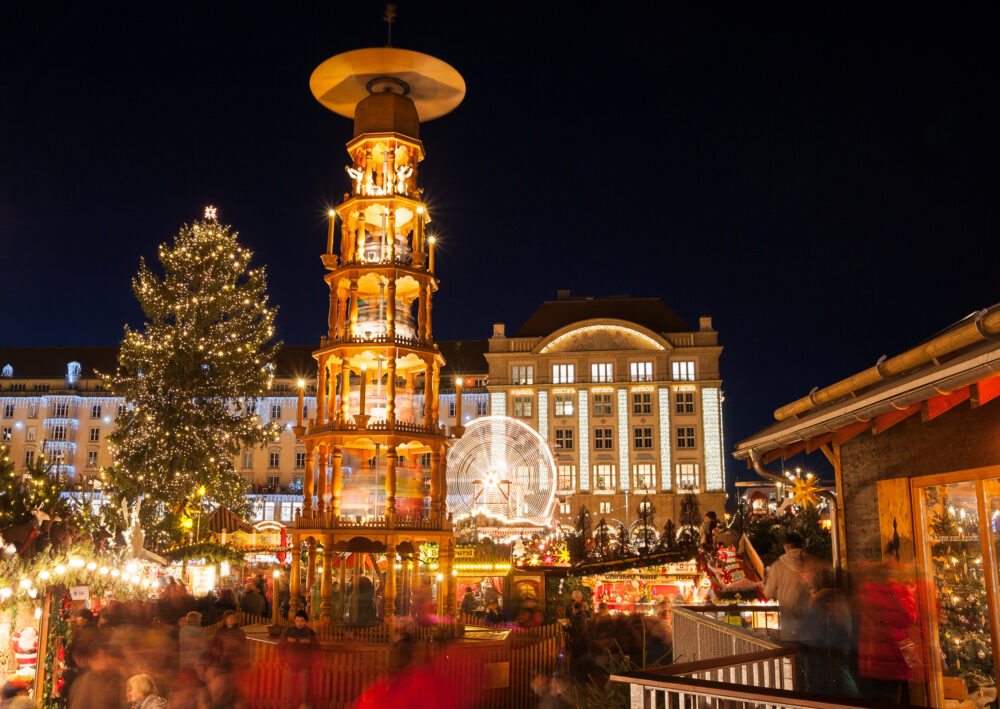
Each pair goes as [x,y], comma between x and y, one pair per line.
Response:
[192,376]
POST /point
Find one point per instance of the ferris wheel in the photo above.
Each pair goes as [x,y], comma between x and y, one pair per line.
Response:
[501,468]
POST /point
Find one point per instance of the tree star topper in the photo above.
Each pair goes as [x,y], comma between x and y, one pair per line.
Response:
[210,212]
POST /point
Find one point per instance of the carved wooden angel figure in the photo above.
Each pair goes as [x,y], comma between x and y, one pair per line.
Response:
[402,176]
[135,536]
[356,177]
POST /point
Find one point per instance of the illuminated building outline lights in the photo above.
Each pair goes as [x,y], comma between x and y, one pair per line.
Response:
[711,421]
[666,470]
[613,328]
[583,412]
[623,467]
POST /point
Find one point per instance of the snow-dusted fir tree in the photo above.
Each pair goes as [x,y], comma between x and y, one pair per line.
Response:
[191,377]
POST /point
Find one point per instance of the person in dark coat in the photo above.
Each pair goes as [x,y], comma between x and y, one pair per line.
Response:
[253,602]
[298,651]
[229,644]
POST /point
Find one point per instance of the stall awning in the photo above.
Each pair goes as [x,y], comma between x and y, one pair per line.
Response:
[224,518]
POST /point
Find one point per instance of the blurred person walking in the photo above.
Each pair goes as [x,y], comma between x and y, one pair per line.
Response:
[14,695]
[229,645]
[192,642]
[100,686]
[886,657]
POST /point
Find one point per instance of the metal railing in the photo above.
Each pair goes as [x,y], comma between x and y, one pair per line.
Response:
[757,680]
[700,636]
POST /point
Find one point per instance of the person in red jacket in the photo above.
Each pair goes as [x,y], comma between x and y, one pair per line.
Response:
[888,610]
[298,650]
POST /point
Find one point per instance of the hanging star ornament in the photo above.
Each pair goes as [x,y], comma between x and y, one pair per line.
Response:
[210,212]
[804,492]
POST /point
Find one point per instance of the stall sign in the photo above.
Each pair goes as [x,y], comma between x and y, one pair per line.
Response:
[79,593]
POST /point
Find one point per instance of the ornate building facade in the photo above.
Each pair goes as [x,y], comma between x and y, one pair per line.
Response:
[628,395]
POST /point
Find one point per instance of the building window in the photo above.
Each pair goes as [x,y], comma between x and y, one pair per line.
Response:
[95,435]
[604,476]
[6,433]
[40,387]
[564,508]
[121,409]
[566,477]
[563,404]
[563,373]
[33,410]
[602,405]
[29,457]
[685,437]
[305,412]
[642,437]
[684,371]
[687,475]
[59,432]
[273,481]
[60,410]
[522,406]
[481,407]
[269,510]
[247,462]
[273,460]
[564,439]
[8,371]
[604,508]
[300,460]
[603,439]
[601,372]
[522,374]
[286,511]
[95,411]
[451,408]
[642,403]
[92,459]
[8,411]
[30,433]
[275,412]
[641,371]
[645,474]
[684,402]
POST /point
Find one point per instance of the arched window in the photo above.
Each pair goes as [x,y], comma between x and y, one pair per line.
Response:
[73,370]
[8,371]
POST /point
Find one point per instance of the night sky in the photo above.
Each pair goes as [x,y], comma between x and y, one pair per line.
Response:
[823,185]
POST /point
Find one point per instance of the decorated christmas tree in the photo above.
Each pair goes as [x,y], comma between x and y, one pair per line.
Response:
[192,378]
[577,540]
[646,537]
[602,540]
[668,540]
[690,516]
[958,576]
[37,486]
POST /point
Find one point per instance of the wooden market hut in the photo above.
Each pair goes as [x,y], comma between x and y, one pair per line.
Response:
[915,446]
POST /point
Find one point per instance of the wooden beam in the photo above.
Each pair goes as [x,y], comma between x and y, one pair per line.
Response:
[984,391]
[884,422]
[937,405]
[850,431]
[817,442]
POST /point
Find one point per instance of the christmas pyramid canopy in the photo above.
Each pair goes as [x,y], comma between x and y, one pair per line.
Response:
[224,518]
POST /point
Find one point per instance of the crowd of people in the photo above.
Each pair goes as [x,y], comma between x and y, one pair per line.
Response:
[159,655]
[862,642]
